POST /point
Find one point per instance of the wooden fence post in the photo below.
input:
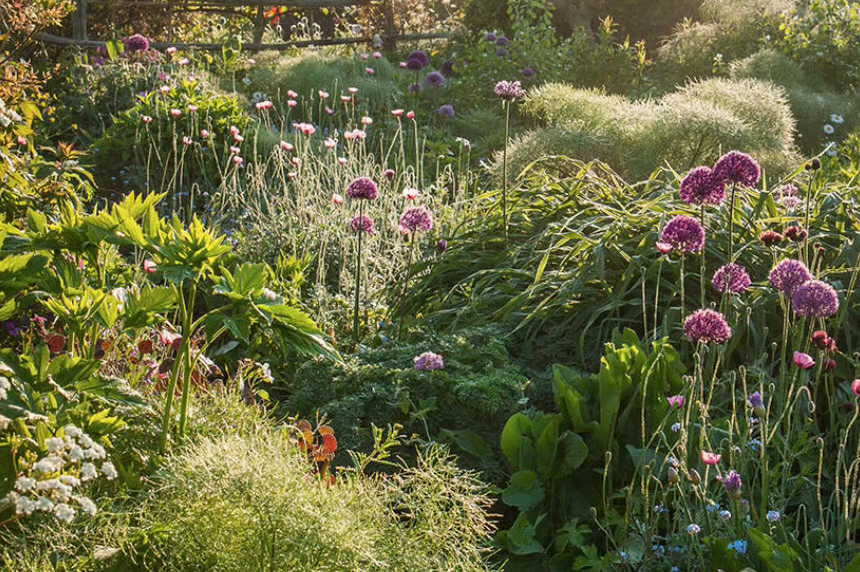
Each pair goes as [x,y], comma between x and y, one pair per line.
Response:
[259,24]
[79,20]
[389,42]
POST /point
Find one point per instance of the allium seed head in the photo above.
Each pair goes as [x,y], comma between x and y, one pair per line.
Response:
[708,326]
[815,298]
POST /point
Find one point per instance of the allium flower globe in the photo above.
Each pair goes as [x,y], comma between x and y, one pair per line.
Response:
[509,90]
[136,43]
[738,168]
[815,298]
[684,234]
[428,361]
[708,326]
[416,219]
[788,274]
[701,186]
[446,111]
[436,79]
[447,68]
[362,223]
[732,483]
[731,278]
[362,188]
[421,56]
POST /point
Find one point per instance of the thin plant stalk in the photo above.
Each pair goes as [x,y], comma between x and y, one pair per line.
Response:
[358,271]
[732,223]
[507,105]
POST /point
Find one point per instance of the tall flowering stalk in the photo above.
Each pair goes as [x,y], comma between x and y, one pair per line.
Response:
[414,220]
[736,168]
[508,92]
[361,189]
[702,187]
[683,234]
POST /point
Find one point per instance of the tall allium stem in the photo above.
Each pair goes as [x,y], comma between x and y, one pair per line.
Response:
[419,180]
[657,295]
[507,105]
[806,222]
[358,273]
[683,276]
[702,271]
[732,223]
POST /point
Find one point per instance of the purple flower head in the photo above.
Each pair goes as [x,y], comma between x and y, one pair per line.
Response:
[428,361]
[136,43]
[419,55]
[732,483]
[447,68]
[441,246]
[12,329]
[416,219]
[701,187]
[684,234]
[815,298]
[362,223]
[731,278]
[707,326]
[362,188]
[446,111]
[529,73]
[756,400]
[739,168]
[389,174]
[503,42]
[490,37]
[788,190]
[788,274]
[509,90]
[502,52]
[676,401]
[415,87]
[436,79]
[414,64]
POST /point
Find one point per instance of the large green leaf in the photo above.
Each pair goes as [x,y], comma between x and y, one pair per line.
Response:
[524,490]
[517,430]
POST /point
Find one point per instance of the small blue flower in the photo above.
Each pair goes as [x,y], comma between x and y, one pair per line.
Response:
[694,529]
[712,507]
[754,444]
[676,427]
[674,569]
[739,546]
[725,514]
[773,515]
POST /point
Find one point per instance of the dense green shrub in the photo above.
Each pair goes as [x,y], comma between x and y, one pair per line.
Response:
[691,126]
[813,102]
[726,30]
[478,389]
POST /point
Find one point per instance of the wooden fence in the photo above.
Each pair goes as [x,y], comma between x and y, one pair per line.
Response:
[389,36]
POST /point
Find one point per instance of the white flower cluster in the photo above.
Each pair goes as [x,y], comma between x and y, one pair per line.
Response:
[49,486]
[7,116]
[5,386]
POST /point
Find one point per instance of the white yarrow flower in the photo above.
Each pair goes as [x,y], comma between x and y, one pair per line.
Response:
[49,464]
[55,444]
[88,471]
[109,471]
[87,505]
[76,453]
[44,504]
[64,513]
[72,431]
[25,484]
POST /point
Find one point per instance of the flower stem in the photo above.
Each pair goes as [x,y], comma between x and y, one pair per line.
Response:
[358,271]
[702,271]
[507,105]
[732,223]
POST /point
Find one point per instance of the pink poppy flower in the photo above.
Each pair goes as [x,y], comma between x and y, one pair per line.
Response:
[855,387]
[396,112]
[803,360]
[286,146]
[150,266]
[410,115]
[204,133]
[292,95]
[337,199]
[676,401]
[710,458]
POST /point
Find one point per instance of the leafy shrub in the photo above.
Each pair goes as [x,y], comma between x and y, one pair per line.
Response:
[690,126]
[823,36]
[812,102]
[728,30]
[477,390]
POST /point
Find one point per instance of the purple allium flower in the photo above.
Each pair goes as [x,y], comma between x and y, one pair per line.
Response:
[815,298]
[502,52]
[362,223]
[529,72]
[446,110]
[684,234]
[362,188]
[707,326]
[389,174]
[732,483]
[787,190]
[415,87]
[416,219]
[136,43]
[788,274]
[419,55]
[490,37]
[503,42]
[737,167]
[509,90]
[414,64]
[441,246]
[732,278]
[701,186]
[447,68]
[428,361]
[436,79]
